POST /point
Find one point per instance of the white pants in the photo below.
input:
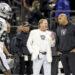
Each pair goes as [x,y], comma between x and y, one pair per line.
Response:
[3,62]
[37,64]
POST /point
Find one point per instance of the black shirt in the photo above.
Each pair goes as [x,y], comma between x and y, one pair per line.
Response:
[66,37]
[21,40]
[35,16]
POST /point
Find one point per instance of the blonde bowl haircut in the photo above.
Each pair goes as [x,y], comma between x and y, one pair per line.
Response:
[41,21]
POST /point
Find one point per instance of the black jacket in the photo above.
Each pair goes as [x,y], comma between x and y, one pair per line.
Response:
[35,16]
[21,40]
[66,37]
[13,45]
[7,42]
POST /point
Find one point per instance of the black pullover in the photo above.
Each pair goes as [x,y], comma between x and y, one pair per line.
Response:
[66,38]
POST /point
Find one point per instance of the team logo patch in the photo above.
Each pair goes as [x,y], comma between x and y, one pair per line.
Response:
[42,37]
[63,31]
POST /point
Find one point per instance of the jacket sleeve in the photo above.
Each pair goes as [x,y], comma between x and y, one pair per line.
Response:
[25,50]
[18,47]
[30,42]
[57,38]
[13,43]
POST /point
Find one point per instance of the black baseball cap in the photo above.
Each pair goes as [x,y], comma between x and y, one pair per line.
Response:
[26,23]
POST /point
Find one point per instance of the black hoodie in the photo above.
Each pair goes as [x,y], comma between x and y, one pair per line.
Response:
[66,37]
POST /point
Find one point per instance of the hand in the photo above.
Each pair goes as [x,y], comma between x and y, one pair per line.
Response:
[22,55]
[72,51]
[59,53]
[52,35]
[9,54]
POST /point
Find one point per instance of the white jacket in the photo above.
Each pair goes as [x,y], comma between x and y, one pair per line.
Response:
[34,41]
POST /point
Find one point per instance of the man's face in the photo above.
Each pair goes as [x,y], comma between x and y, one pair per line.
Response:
[8,28]
[62,19]
[44,25]
[26,28]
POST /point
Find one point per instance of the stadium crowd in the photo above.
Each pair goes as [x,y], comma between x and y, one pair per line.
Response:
[34,46]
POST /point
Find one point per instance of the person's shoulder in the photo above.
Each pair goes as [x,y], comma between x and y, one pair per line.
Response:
[58,27]
[71,25]
[35,30]
[49,31]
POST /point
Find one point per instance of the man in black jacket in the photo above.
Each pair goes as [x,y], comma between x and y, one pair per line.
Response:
[66,44]
[21,40]
[55,59]
[8,38]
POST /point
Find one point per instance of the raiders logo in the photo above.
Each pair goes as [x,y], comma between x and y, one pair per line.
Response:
[42,37]
[63,31]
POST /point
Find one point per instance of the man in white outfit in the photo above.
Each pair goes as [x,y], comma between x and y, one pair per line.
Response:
[39,45]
